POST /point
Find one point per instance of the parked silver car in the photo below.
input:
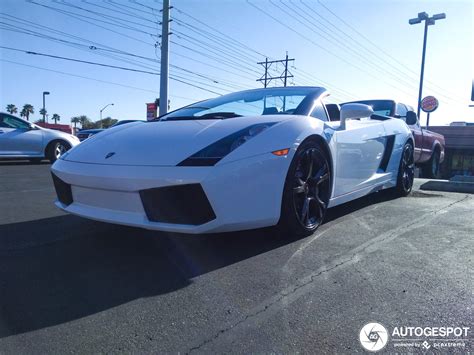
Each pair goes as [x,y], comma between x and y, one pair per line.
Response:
[23,139]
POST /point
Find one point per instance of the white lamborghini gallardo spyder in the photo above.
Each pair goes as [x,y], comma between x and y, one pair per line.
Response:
[244,160]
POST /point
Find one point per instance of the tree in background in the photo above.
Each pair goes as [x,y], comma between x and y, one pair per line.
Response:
[27,110]
[12,109]
[43,112]
[106,122]
[85,122]
[75,120]
[56,118]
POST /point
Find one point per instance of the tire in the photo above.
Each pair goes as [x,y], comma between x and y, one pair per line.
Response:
[56,149]
[406,171]
[431,167]
[307,190]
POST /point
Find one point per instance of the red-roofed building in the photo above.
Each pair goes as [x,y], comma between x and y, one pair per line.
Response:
[59,127]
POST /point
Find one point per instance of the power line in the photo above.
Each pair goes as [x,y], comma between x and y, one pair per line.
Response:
[217,59]
[175,78]
[78,17]
[381,50]
[216,39]
[100,14]
[89,78]
[121,12]
[347,46]
[96,48]
[211,36]
[218,31]
[321,47]
[73,15]
[222,55]
[80,61]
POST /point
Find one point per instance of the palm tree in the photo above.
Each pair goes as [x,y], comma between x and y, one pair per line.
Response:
[28,109]
[75,120]
[12,109]
[56,118]
[43,113]
[85,121]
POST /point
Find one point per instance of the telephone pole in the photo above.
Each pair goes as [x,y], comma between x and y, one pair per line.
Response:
[266,78]
[165,28]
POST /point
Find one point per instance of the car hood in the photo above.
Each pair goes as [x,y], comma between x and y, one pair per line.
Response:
[160,143]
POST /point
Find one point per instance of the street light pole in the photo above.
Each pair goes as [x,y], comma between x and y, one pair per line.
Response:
[165,29]
[423,16]
[44,105]
[103,108]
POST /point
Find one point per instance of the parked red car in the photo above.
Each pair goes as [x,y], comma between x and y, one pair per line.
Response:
[429,146]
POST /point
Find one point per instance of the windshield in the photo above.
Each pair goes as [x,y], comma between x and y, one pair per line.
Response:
[380,107]
[281,101]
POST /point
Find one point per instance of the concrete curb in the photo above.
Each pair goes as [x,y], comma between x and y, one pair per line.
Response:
[448,186]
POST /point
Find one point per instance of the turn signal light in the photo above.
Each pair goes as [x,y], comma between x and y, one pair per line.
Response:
[281,152]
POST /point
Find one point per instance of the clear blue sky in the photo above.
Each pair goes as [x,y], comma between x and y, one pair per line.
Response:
[374,54]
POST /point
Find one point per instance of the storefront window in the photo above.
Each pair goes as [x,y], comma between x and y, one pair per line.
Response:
[462,164]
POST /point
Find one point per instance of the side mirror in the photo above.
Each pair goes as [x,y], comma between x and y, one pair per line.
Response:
[411,118]
[354,111]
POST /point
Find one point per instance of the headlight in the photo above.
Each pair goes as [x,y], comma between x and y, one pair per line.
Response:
[216,151]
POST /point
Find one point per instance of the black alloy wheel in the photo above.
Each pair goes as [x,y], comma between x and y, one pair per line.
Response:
[406,172]
[307,190]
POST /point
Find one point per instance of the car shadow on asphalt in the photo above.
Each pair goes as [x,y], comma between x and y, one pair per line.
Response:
[58,269]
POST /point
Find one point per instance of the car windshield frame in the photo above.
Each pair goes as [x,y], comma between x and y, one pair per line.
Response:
[308,95]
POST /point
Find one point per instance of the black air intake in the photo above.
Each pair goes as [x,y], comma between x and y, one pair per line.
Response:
[180,204]
[63,190]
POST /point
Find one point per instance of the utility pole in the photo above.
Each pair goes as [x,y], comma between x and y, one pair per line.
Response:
[165,27]
[44,105]
[266,78]
[423,16]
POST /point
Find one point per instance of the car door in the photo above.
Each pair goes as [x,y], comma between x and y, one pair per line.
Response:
[19,138]
[358,153]
[5,131]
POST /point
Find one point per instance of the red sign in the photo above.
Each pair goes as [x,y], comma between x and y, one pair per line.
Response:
[151,111]
[429,104]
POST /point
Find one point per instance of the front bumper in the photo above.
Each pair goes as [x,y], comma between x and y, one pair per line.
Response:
[244,194]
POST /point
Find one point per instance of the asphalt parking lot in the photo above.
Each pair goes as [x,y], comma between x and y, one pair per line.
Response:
[68,284]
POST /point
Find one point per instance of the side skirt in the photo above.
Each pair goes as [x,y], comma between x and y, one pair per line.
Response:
[381,185]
